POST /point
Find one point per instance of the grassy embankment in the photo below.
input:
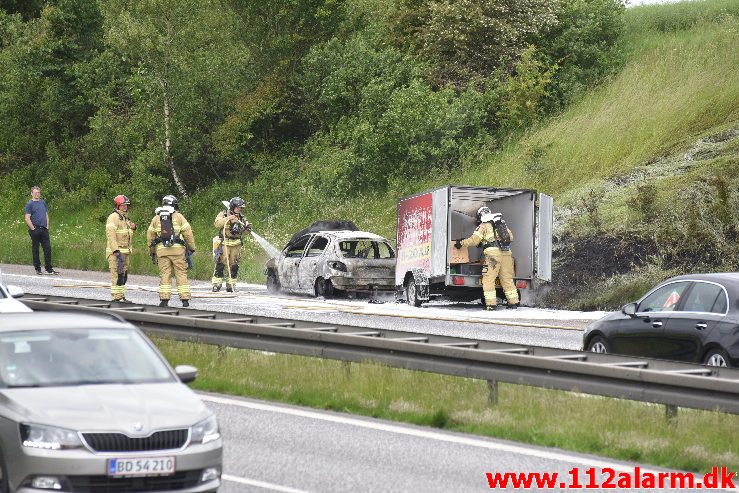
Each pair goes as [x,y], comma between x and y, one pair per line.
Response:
[614,428]
[680,83]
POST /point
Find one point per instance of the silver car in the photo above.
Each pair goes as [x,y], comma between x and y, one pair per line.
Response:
[87,403]
[323,263]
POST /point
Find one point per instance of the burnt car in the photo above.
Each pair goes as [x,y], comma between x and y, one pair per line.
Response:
[692,318]
[331,262]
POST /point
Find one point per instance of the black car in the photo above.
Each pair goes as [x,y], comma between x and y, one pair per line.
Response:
[686,318]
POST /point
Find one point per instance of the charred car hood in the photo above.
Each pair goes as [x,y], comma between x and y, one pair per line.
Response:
[106,407]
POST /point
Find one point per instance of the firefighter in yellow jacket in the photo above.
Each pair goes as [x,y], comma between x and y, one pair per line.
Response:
[495,238]
[119,231]
[231,225]
[170,238]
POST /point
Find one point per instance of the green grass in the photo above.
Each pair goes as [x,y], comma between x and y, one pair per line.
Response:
[684,84]
[680,82]
[614,428]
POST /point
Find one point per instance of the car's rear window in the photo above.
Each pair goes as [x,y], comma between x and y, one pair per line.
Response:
[366,248]
[43,358]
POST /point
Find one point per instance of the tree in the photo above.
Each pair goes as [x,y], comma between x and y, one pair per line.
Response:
[467,39]
[157,38]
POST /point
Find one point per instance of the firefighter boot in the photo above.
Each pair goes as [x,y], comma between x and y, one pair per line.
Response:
[164,303]
[216,287]
[185,303]
[513,306]
[234,274]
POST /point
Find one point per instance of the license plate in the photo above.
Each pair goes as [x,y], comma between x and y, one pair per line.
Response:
[141,466]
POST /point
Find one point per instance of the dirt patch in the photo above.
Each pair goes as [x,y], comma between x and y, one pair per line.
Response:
[579,263]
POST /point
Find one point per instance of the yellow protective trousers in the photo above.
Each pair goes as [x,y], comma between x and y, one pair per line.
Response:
[173,265]
[234,254]
[118,290]
[498,264]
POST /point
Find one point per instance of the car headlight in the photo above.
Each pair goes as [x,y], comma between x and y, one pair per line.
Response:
[205,431]
[49,437]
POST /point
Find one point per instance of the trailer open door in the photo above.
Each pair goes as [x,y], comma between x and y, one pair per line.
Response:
[544,238]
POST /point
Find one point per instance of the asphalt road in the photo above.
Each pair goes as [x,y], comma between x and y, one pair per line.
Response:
[276,447]
[526,326]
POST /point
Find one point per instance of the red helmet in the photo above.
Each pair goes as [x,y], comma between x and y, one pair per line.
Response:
[120,200]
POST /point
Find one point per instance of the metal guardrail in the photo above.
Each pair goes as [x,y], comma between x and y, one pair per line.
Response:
[640,379]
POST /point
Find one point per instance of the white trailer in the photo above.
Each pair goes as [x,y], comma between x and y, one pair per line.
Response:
[430,221]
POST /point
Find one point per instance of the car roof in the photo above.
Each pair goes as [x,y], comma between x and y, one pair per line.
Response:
[350,234]
[727,278]
[60,320]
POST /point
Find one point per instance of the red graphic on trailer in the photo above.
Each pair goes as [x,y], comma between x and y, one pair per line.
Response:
[414,235]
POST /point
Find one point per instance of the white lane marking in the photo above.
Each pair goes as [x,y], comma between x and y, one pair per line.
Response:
[432,435]
[259,484]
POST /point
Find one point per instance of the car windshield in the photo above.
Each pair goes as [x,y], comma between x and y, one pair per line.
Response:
[365,248]
[49,358]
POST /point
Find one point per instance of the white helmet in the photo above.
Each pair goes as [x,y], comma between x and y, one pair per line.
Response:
[482,211]
[493,218]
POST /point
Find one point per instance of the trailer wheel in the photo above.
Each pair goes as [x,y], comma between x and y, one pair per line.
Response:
[411,293]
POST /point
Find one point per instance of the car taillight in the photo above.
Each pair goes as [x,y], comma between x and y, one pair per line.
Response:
[458,280]
[336,265]
[522,284]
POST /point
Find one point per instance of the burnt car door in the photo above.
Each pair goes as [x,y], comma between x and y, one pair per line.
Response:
[289,262]
[642,334]
[308,268]
[687,331]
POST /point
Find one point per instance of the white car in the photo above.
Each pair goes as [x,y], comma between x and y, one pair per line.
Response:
[8,301]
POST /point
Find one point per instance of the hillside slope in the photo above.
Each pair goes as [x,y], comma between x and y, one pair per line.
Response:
[643,170]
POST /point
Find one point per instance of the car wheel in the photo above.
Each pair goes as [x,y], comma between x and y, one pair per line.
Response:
[411,294]
[716,357]
[323,287]
[598,345]
[273,284]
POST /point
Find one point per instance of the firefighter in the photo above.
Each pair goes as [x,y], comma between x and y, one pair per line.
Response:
[170,240]
[119,231]
[495,239]
[231,225]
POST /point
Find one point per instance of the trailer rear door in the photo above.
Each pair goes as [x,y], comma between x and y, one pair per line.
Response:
[544,238]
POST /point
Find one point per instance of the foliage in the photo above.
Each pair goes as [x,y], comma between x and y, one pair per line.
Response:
[466,39]
[335,108]
[583,44]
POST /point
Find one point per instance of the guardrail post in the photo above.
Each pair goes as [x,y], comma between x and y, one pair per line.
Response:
[492,392]
[671,413]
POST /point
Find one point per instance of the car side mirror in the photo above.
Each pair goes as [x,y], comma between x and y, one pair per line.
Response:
[15,291]
[629,309]
[186,373]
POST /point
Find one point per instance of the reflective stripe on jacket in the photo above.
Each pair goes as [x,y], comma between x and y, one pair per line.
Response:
[222,221]
[181,229]
[484,232]
[118,232]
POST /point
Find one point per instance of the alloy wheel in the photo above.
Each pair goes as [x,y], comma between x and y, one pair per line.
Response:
[716,359]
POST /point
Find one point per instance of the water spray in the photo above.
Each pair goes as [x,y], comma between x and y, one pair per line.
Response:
[266,246]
